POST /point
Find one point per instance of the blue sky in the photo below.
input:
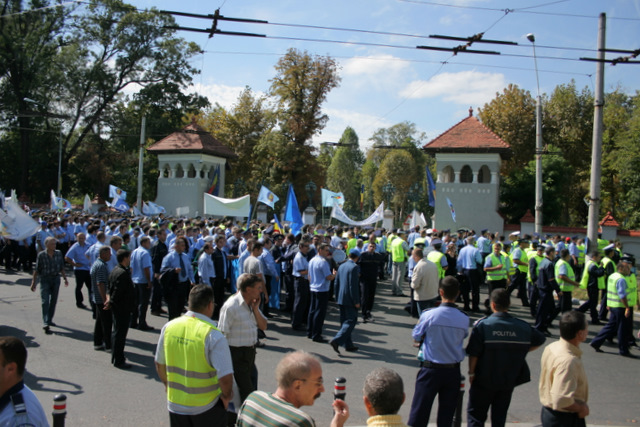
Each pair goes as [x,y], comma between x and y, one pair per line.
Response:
[382,86]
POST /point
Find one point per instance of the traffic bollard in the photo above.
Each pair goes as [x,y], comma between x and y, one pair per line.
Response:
[457,418]
[59,410]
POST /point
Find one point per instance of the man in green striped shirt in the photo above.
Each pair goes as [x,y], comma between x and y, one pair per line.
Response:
[300,383]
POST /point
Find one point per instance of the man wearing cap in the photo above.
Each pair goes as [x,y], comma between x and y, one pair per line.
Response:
[436,256]
[399,249]
[609,266]
[593,280]
[536,256]
[158,251]
[546,286]
[520,261]
[622,296]
[495,266]
[469,259]
[347,289]
[566,279]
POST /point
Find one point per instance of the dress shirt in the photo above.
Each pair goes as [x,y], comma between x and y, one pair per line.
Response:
[300,263]
[425,280]
[78,254]
[319,269]
[238,323]
[241,259]
[469,258]
[140,259]
[442,331]
[563,380]
[205,268]
[269,264]
[172,261]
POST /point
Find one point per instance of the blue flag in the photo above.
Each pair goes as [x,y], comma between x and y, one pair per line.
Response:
[453,212]
[292,213]
[431,189]
[119,205]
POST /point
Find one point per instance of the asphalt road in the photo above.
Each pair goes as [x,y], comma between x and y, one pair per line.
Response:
[99,394]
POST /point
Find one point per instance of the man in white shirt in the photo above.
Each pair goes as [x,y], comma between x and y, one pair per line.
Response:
[240,319]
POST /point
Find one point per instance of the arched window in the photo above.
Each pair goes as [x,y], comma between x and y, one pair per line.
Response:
[447,174]
[179,172]
[192,172]
[466,174]
[166,171]
[484,175]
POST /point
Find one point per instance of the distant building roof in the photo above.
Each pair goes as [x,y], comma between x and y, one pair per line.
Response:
[469,136]
[609,221]
[192,139]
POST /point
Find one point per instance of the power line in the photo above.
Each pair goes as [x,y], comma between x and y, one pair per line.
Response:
[519,10]
[38,9]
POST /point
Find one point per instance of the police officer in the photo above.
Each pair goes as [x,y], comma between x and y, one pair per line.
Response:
[622,296]
[520,261]
[609,266]
[546,286]
[593,281]
[535,258]
[496,268]
[497,349]
[566,279]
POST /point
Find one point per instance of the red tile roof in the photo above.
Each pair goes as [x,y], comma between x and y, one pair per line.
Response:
[528,217]
[468,136]
[192,139]
[609,221]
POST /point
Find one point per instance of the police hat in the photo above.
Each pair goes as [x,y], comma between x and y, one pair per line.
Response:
[609,247]
[628,258]
[436,242]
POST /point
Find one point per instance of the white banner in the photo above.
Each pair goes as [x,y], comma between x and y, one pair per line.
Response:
[227,207]
[15,223]
[377,215]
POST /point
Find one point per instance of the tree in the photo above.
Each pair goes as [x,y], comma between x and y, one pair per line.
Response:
[344,174]
[301,86]
[511,115]
[395,168]
[90,58]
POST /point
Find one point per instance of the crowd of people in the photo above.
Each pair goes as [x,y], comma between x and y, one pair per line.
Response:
[220,283]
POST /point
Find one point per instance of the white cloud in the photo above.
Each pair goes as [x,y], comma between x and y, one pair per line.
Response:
[224,95]
[465,87]
[373,65]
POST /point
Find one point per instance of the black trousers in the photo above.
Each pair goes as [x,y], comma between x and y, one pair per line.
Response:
[214,417]
[603,305]
[301,302]
[618,325]
[492,285]
[480,399]
[174,295]
[473,286]
[218,295]
[534,297]
[551,418]
[546,310]
[103,327]
[290,293]
[121,319]
[432,382]
[564,302]
[519,283]
[83,277]
[156,296]
[592,303]
[317,314]
[144,293]
[243,359]
[367,295]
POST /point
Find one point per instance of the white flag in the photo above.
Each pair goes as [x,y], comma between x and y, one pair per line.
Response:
[87,203]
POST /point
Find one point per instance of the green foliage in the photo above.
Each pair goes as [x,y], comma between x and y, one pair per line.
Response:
[344,174]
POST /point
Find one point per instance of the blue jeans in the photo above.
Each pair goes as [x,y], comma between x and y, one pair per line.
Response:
[49,287]
[348,320]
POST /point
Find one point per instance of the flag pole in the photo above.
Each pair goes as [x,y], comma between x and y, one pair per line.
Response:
[255,206]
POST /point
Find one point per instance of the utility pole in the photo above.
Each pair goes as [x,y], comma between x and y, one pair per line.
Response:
[140,161]
[596,150]
[539,147]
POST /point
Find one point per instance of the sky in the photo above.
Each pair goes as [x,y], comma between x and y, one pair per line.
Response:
[385,85]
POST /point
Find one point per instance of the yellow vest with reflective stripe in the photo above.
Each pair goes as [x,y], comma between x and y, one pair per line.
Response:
[524,258]
[352,243]
[602,244]
[613,299]
[581,254]
[435,257]
[606,261]
[497,274]
[564,286]
[390,240]
[585,277]
[398,253]
[632,298]
[512,266]
[538,260]
[191,380]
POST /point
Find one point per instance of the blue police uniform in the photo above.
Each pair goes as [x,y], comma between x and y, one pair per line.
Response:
[441,331]
[501,343]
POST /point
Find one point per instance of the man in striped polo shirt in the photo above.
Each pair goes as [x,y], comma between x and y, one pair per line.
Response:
[300,383]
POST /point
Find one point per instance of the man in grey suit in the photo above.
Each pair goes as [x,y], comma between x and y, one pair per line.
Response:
[347,288]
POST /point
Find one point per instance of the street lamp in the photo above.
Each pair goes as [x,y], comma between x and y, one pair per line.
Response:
[539,148]
[414,194]
[311,188]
